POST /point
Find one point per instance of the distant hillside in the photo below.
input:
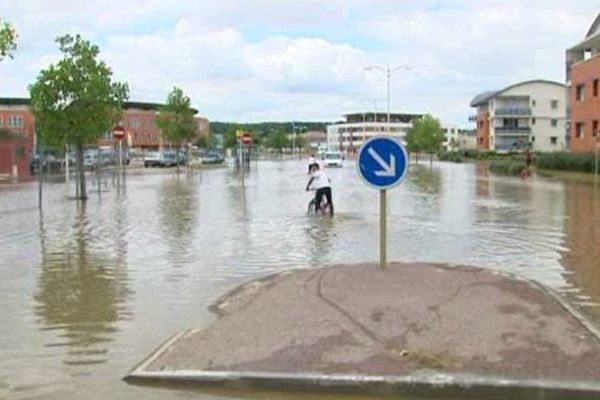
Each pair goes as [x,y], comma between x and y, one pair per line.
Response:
[265,128]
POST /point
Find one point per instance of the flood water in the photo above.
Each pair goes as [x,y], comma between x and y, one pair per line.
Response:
[87,291]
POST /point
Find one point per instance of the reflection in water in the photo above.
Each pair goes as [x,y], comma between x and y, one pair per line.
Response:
[184,241]
[177,208]
[321,235]
[581,253]
[81,287]
[426,178]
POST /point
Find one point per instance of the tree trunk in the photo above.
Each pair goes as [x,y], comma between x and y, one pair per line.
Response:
[81,173]
[177,155]
[40,169]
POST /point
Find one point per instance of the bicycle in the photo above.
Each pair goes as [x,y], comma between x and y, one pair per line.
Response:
[312,206]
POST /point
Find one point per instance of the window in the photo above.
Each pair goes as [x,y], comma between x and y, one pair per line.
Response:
[533,138]
[15,121]
[553,123]
[533,103]
[554,104]
[579,130]
[553,140]
[532,121]
[580,92]
[594,128]
[595,87]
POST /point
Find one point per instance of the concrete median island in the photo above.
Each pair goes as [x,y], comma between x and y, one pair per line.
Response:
[414,329]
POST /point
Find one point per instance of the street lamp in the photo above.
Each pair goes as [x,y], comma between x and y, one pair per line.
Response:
[388,72]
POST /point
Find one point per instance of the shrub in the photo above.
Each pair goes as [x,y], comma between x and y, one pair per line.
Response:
[566,162]
[452,156]
[508,167]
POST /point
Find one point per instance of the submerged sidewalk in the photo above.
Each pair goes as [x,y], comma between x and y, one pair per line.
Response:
[412,327]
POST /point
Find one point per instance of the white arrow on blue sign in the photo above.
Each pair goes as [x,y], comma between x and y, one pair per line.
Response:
[382,162]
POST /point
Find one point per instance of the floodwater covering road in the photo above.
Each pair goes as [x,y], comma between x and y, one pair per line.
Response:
[87,291]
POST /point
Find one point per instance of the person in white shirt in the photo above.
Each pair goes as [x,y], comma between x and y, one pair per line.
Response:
[311,160]
[322,184]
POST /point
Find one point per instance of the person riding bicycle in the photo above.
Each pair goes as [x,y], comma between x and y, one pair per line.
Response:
[322,184]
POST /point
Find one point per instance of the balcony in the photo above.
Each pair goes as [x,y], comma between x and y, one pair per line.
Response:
[512,111]
[512,130]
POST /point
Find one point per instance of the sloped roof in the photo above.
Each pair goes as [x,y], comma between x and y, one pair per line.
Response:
[594,28]
[484,97]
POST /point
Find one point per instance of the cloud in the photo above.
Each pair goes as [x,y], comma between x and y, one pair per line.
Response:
[257,60]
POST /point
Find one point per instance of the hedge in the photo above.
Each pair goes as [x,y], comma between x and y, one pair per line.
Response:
[566,162]
[508,167]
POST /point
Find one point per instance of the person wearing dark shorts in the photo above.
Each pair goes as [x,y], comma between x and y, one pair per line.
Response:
[322,184]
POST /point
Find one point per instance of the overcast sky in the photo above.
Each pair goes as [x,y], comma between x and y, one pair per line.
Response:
[273,60]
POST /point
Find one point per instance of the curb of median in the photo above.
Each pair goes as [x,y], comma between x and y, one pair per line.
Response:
[422,384]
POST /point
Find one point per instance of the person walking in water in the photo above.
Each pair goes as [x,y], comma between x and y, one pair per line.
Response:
[322,184]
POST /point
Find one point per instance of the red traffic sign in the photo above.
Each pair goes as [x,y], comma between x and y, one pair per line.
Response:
[119,132]
[246,138]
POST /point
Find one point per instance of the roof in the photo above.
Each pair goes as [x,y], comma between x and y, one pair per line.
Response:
[24,101]
[411,115]
[594,28]
[484,97]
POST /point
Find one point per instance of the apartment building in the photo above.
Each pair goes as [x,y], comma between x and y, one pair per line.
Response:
[350,134]
[456,139]
[526,114]
[583,77]
[18,139]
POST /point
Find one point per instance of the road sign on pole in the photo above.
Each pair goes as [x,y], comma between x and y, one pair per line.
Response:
[382,164]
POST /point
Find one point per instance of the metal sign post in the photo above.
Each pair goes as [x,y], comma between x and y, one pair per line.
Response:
[382,164]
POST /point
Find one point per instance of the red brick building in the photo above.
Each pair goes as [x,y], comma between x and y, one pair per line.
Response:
[17,142]
[17,137]
[583,79]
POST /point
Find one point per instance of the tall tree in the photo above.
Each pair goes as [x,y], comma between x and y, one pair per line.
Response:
[278,141]
[176,120]
[8,40]
[76,101]
[425,135]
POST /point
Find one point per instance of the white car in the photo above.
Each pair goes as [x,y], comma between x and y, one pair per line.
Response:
[333,159]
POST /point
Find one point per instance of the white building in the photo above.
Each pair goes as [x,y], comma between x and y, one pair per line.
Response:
[531,113]
[350,134]
[459,139]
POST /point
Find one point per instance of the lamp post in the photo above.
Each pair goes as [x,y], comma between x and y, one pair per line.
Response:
[388,72]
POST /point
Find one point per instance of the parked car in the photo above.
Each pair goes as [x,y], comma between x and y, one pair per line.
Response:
[153,159]
[90,159]
[169,159]
[212,157]
[333,159]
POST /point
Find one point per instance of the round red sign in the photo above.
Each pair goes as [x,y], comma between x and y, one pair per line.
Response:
[118,132]
[246,138]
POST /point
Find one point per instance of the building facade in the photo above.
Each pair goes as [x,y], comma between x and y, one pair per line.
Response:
[18,138]
[583,81]
[350,134]
[456,139]
[527,114]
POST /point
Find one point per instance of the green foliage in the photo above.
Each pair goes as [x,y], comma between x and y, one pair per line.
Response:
[262,131]
[278,141]
[176,119]
[452,156]
[425,135]
[75,101]
[507,167]
[204,142]
[566,162]
[8,40]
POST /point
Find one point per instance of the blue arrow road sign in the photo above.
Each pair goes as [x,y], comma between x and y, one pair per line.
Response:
[382,162]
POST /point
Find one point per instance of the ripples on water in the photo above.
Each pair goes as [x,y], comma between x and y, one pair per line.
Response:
[88,290]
